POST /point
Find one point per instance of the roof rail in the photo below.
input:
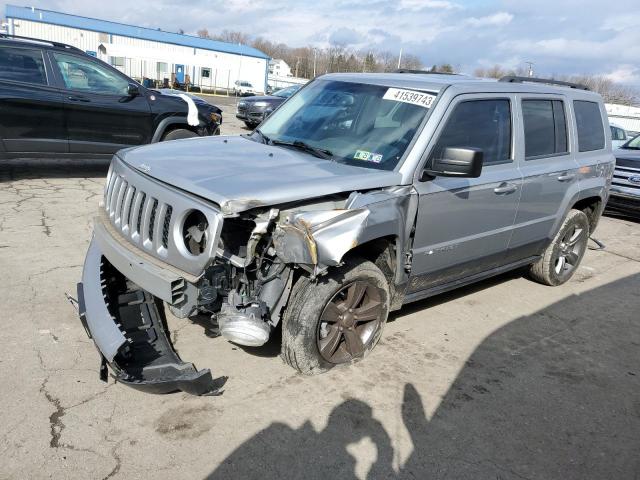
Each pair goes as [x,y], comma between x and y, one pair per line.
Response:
[548,81]
[40,41]
[408,70]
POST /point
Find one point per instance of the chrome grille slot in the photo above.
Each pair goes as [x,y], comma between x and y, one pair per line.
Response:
[622,174]
[165,226]
[119,200]
[126,209]
[149,215]
[109,190]
[114,196]
[139,206]
[146,221]
[152,219]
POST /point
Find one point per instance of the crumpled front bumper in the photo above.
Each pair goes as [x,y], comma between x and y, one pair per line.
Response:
[127,325]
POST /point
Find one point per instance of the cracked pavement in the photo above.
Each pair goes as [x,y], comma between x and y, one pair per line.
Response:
[505,379]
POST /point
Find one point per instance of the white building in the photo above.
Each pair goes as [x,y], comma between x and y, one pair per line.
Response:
[146,53]
[279,68]
[624,116]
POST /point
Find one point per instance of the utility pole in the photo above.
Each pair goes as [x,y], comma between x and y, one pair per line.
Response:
[530,71]
[400,58]
[315,56]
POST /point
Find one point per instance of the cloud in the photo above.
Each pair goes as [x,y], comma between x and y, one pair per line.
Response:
[494,20]
[627,74]
[345,36]
[418,5]
[560,37]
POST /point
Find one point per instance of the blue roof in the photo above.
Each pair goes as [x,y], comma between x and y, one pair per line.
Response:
[114,28]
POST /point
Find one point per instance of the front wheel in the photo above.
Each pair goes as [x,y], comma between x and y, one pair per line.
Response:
[563,255]
[178,134]
[338,319]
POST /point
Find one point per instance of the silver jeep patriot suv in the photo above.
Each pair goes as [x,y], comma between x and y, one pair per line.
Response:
[361,193]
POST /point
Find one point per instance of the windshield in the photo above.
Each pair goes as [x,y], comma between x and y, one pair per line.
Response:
[633,144]
[353,123]
[287,92]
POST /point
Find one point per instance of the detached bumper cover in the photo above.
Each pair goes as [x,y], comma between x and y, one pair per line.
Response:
[127,325]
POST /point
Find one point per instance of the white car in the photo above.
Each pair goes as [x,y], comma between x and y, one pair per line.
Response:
[618,136]
[242,87]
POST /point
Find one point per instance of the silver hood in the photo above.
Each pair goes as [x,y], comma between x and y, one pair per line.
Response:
[239,174]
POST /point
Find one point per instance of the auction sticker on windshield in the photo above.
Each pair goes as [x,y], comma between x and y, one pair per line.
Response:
[413,97]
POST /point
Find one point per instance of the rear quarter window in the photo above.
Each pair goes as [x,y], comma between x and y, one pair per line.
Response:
[589,125]
[22,65]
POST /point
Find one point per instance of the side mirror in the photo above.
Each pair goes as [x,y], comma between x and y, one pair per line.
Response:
[133,90]
[457,162]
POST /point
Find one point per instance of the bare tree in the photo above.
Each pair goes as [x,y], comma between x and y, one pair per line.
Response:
[231,36]
[498,72]
[305,61]
[611,91]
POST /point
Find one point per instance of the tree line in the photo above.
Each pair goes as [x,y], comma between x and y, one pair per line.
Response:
[611,91]
[307,62]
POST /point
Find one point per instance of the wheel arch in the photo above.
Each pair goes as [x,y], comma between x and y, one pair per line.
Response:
[169,124]
[592,207]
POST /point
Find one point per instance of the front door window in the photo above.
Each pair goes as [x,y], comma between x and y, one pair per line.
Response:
[84,75]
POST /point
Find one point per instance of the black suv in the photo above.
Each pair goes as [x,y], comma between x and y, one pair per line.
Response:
[253,110]
[55,100]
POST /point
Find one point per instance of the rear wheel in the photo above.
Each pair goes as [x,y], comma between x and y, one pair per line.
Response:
[179,133]
[338,319]
[563,255]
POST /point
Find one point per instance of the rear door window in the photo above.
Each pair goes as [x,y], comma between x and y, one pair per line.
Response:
[545,128]
[589,124]
[22,65]
[483,124]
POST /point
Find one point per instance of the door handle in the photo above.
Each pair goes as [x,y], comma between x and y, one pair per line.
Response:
[565,177]
[505,189]
[78,99]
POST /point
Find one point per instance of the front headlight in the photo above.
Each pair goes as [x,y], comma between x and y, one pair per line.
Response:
[216,117]
[261,104]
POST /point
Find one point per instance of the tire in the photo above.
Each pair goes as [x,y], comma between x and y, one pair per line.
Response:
[307,323]
[563,255]
[178,134]
[251,125]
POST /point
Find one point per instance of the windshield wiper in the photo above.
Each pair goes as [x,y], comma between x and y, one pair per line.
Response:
[305,147]
[263,137]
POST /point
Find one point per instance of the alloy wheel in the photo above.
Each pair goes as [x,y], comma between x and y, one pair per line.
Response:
[350,321]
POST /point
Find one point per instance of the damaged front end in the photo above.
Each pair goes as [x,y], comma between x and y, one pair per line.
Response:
[155,244]
[128,326]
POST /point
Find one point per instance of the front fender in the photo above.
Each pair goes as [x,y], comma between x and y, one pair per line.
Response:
[323,237]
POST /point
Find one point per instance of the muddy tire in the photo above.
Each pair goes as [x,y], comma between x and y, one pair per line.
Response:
[178,134]
[337,319]
[563,255]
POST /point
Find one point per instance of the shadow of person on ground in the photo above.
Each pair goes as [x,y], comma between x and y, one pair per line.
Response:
[552,395]
[280,452]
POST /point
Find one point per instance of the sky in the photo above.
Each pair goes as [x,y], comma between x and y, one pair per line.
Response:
[560,37]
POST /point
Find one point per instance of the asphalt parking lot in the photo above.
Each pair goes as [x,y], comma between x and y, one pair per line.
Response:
[506,379]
